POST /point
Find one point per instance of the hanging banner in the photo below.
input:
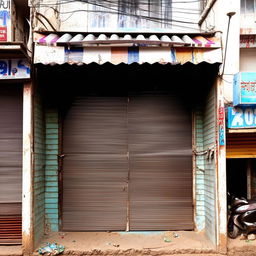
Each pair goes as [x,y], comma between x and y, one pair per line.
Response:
[241,117]
[14,69]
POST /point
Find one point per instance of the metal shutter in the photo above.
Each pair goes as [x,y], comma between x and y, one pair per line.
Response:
[95,165]
[10,163]
[127,161]
[241,145]
[160,147]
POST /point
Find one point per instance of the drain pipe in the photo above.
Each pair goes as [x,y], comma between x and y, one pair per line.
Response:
[207,9]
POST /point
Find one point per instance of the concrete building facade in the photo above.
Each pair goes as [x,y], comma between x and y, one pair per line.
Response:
[126,117]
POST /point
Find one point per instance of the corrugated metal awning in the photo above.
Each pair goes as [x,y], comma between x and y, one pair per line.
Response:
[116,49]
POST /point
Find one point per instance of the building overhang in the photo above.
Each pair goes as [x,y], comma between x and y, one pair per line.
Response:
[13,50]
[15,63]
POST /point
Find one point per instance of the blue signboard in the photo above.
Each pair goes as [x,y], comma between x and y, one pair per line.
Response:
[244,92]
[14,69]
[242,117]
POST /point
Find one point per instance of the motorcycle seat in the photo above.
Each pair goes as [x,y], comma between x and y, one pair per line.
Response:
[245,208]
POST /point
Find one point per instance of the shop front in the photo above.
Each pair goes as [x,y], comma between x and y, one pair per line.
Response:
[13,73]
[241,151]
[127,156]
[124,136]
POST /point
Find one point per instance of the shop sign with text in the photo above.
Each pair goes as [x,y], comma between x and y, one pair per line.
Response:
[241,117]
[244,92]
[14,69]
[5,20]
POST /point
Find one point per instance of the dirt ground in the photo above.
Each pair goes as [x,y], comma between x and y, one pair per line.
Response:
[241,247]
[138,243]
[132,243]
[10,250]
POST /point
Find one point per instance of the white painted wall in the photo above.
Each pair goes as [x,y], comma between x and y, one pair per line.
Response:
[247,60]
[217,20]
[27,172]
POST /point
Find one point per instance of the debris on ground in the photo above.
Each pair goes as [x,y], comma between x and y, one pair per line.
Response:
[51,249]
[175,235]
[115,245]
[62,234]
[251,237]
[243,237]
[167,240]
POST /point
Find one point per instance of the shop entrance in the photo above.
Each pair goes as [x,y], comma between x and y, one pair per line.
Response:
[237,172]
[127,150]
[153,152]
[10,163]
[241,164]
[127,164]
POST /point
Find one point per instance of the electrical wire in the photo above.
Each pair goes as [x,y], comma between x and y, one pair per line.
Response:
[155,19]
[138,8]
[40,14]
[129,11]
[146,2]
[118,12]
[129,4]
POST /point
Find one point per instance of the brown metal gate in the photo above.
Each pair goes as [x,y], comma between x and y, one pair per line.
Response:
[127,164]
[95,165]
[10,163]
[160,164]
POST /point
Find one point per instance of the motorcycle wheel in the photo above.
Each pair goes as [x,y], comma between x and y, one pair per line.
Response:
[233,231]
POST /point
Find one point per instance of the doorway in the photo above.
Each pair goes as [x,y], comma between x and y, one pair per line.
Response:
[10,163]
[238,175]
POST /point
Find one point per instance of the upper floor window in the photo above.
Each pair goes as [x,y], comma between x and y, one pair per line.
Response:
[131,14]
[248,6]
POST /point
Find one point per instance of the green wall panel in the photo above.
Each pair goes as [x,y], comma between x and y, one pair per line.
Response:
[51,170]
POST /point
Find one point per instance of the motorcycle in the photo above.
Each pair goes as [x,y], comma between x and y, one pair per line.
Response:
[242,219]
